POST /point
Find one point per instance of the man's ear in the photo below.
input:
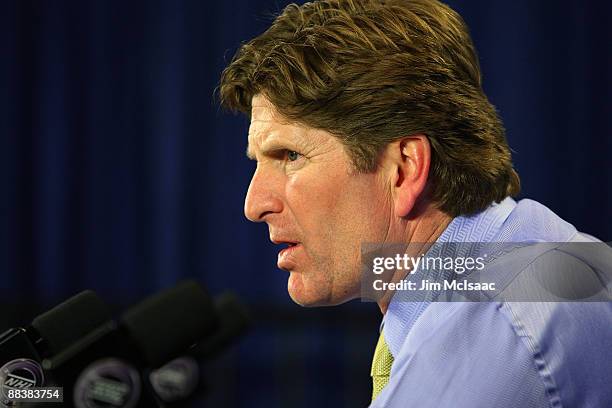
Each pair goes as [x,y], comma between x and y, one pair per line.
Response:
[410,158]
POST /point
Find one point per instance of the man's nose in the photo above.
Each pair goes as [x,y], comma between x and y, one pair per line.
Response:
[262,198]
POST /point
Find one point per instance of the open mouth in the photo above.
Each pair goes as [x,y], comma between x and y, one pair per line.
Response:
[289,246]
[288,256]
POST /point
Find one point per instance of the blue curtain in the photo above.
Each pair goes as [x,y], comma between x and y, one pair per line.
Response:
[120,173]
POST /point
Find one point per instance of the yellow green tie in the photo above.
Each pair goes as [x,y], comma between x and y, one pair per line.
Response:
[381,366]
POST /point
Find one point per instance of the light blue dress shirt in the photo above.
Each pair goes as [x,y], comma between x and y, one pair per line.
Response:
[500,354]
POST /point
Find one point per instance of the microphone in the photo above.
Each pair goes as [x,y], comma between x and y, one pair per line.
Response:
[23,348]
[106,370]
[177,382]
[234,321]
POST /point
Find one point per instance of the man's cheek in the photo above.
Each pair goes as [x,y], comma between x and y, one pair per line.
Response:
[316,183]
[299,192]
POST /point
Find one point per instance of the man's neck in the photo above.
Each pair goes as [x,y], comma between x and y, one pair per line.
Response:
[421,233]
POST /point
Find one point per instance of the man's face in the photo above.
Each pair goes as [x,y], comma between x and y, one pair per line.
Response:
[315,205]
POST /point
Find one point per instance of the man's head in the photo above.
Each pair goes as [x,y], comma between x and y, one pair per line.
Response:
[382,101]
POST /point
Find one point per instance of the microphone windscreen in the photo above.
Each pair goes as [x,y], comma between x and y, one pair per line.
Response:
[71,320]
[234,320]
[167,324]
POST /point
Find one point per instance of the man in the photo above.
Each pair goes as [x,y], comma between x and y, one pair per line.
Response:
[369,125]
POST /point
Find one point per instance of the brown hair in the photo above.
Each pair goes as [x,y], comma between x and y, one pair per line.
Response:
[373,71]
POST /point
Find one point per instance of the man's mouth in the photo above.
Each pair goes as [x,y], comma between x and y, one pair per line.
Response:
[287,256]
[289,246]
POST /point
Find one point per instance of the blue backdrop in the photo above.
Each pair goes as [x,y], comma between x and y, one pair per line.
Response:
[120,173]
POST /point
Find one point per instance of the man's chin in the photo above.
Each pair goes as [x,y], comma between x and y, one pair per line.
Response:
[303,294]
[311,296]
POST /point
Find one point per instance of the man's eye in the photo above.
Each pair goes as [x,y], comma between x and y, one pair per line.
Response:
[292,155]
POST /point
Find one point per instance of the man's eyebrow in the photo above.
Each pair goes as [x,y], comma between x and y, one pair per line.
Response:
[272,145]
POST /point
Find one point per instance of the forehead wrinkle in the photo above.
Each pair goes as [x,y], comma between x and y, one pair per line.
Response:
[267,135]
[258,129]
[270,128]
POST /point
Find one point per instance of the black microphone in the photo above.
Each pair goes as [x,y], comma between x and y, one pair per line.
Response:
[177,382]
[107,371]
[23,348]
[234,321]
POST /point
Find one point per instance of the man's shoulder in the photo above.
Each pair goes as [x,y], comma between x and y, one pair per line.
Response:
[578,270]
[532,221]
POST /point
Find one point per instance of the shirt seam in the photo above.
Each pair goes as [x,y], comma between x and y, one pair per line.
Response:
[539,363]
